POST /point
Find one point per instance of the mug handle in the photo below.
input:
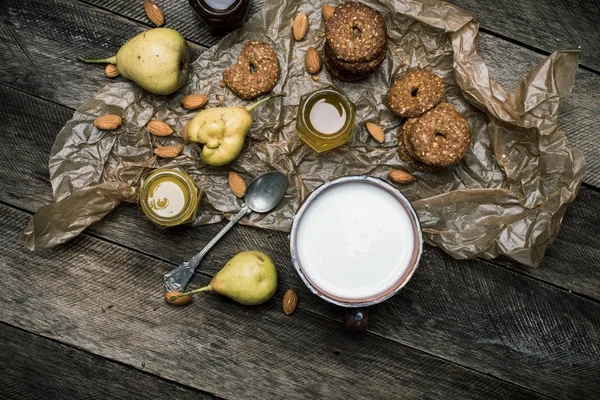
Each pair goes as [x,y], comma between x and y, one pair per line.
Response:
[356,319]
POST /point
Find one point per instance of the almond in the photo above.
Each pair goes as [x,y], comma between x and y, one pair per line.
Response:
[185,131]
[300,26]
[327,11]
[167,151]
[154,13]
[313,61]
[399,176]
[180,301]
[237,184]
[159,128]
[290,301]
[376,131]
[194,101]
[111,70]
[108,122]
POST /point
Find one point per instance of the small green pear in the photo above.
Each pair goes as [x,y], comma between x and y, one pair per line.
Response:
[157,60]
[250,278]
[222,131]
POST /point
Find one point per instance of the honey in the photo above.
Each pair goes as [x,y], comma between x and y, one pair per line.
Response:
[169,197]
[325,119]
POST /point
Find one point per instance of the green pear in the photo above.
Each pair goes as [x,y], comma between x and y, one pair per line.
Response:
[157,60]
[250,278]
[222,131]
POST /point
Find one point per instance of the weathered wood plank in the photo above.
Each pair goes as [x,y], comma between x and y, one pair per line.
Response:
[179,15]
[107,300]
[34,367]
[53,58]
[41,40]
[472,313]
[548,25]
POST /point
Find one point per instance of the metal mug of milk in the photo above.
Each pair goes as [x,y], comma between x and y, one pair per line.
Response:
[356,241]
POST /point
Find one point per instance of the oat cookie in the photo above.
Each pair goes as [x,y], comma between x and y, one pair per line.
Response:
[415,93]
[405,154]
[356,33]
[365,67]
[439,137]
[256,71]
[337,73]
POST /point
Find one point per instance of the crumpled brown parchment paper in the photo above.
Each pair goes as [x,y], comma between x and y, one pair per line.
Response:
[507,197]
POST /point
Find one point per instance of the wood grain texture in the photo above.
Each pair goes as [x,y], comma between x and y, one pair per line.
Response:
[179,15]
[94,32]
[548,25]
[41,40]
[107,300]
[33,367]
[471,313]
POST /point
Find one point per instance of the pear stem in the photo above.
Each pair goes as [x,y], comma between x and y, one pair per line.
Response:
[252,106]
[109,60]
[206,288]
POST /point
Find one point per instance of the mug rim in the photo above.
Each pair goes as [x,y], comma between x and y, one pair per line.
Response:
[393,289]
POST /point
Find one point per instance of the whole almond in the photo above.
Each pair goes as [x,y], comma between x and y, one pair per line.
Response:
[167,151]
[194,101]
[290,301]
[313,61]
[237,184]
[108,122]
[159,128]
[399,176]
[154,13]
[180,301]
[185,131]
[376,131]
[327,11]
[111,70]
[300,26]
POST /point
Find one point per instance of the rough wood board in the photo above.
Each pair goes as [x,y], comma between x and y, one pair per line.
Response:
[36,60]
[548,25]
[41,40]
[34,367]
[105,299]
[30,125]
[447,309]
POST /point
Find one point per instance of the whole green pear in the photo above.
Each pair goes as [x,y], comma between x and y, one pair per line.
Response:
[222,131]
[157,60]
[249,278]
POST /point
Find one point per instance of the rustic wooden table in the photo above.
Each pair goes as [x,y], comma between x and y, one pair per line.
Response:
[87,319]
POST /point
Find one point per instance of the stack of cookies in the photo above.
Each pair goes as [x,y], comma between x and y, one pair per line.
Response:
[435,135]
[356,41]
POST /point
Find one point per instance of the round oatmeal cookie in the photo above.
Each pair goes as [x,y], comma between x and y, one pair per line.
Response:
[339,74]
[415,93]
[256,71]
[356,32]
[366,67]
[405,154]
[440,137]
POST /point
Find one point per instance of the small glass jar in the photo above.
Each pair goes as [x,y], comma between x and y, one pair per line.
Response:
[325,119]
[221,16]
[169,197]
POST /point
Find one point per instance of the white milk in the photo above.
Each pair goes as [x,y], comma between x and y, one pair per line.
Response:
[355,240]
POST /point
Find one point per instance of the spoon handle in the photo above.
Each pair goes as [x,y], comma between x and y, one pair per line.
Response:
[177,279]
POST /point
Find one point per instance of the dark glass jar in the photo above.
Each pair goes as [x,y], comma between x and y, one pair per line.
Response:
[221,16]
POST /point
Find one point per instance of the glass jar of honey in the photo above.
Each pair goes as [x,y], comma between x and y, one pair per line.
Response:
[221,16]
[169,197]
[325,119]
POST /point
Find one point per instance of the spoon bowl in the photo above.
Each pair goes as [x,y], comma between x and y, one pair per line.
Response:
[266,191]
[262,195]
